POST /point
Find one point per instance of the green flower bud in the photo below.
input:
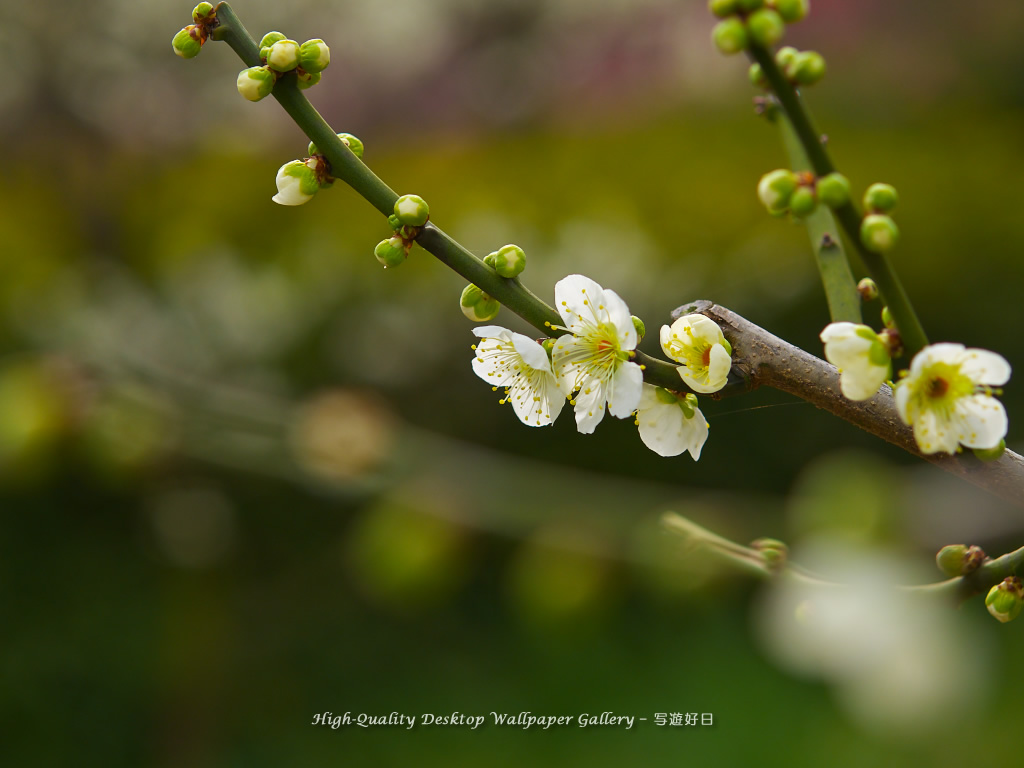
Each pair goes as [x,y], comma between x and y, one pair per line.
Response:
[270,38]
[774,552]
[804,202]
[353,143]
[730,36]
[806,68]
[412,210]
[792,10]
[833,190]
[640,328]
[256,83]
[766,27]
[509,260]
[867,289]
[881,198]
[887,320]
[312,149]
[202,12]
[756,76]
[959,559]
[723,8]
[306,79]
[785,55]
[394,223]
[297,182]
[991,454]
[477,305]
[186,43]
[879,233]
[776,188]
[489,259]
[283,56]
[314,55]
[390,252]
[688,405]
[1005,599]
[749,5]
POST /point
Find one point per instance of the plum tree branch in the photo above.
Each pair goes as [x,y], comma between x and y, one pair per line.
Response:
[762,359]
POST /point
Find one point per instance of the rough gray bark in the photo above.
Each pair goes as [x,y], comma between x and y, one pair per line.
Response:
[764,360]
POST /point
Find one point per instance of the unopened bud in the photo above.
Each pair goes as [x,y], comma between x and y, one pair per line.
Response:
[774,552]
[186,43]
[509,260]
[804,202]
[489,259]
[256,83]
[867,289]
[353,143]
[477,305]
[756,76]
[1005,599]
[806,68]
[776,188]
[314,55]
[991,454]
[306,79]
[959,559]
[640,328]
[390,252]
[723,8]
[879,233]
[412,210]
[887,318]
[766,27]
[283,56]
[730,35]
[792,11]
[785,55]
[881,198]
[202,12]
[296,183]
[834,190]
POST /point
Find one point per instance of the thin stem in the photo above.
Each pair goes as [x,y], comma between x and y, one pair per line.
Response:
[350,169]
[752,561]
[849,215]
[844,303]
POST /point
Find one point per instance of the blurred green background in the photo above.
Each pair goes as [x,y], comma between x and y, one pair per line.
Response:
[247,476]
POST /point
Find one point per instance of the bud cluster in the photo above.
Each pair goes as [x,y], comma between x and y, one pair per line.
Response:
[299,180]
[410,216]
[878,232]
[280,55]
[757,22]
[783,191]
[187,42]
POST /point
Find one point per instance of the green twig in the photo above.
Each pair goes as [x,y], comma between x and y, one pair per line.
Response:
[350,169]
[848,216]
[844,301]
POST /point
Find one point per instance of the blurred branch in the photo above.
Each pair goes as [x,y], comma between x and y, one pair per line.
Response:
[763,359]
[848,216]
[836,278]
[753,562]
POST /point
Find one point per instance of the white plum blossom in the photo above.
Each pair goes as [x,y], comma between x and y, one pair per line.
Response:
[594,357]
[670,425]
[946,397]
[521,367]
[861,357]
[296,182]
[699,344]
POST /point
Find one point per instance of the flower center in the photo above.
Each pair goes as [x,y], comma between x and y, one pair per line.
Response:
[706,357]
[937,387]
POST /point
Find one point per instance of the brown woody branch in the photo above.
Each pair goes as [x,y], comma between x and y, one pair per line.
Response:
[764,360]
